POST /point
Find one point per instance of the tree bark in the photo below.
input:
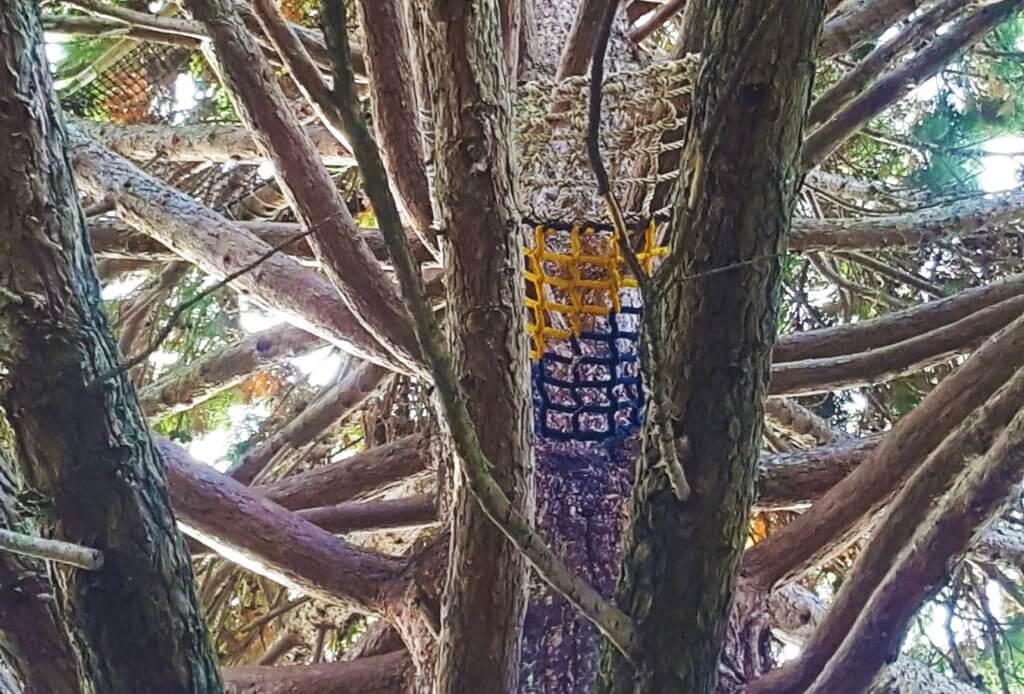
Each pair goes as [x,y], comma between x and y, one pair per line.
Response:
[221,247]
[803,541]
[475,177]
[82,445]
[348,517]
[217,371]
[909,510]
[334,403]
[270,541]
[785,480]
[353,478]
[891,361]
[853,338]
[920,569]
[364,288]
[201,143]
[857,21]
[892,86]
[33,644]
[382,674]
[909,230]
[395,108]
[741,158]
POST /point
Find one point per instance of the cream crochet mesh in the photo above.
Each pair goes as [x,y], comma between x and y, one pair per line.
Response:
[556,183]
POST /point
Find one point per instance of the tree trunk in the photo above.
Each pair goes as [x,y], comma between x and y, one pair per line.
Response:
[82,445]
[742,162]
[484,264]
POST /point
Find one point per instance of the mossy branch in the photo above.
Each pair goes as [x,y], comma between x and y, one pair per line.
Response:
[612,622]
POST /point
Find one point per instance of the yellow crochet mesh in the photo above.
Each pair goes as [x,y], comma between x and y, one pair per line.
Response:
[574,275]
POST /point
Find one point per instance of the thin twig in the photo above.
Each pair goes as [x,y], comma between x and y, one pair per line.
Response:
[51,550]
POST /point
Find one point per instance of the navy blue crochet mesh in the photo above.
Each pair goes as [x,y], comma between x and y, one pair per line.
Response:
[590,389]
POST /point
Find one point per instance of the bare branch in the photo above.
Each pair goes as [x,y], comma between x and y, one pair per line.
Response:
[861,494]
[364,288]
[852,338]
[268,540]
[333,404]
[892,86]
[220,247]
[893,360]
[217,371]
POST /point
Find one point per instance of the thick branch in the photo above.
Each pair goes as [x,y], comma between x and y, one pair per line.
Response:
[201,143]
[891,361]
[270,541]
[892,86]
[909,230]
[220,247]
[364,288]
[852,338]
[332,405]
[907,512]
[785,480]
[395,109]
[922,567]
[861,494]
[579,45]
[348,517]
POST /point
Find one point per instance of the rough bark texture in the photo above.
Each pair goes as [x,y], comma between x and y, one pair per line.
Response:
[785,480]
[220,247]
[484,263]
[810,536]
[83,449]
[382,674]
[33,645]
[908,511]
[920,569]
[856,21]
[911,229]
[217,371]
[741,157]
